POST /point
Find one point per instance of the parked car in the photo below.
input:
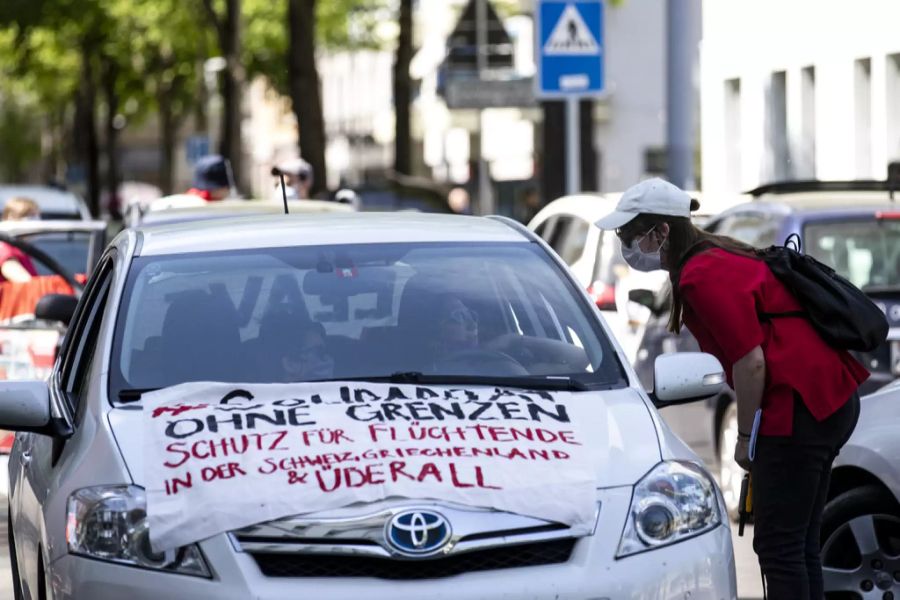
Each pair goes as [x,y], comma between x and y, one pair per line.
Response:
[173,304]
[184,208]
[53,202]
[861,522]
[853,227]
[27,343]
[593,255]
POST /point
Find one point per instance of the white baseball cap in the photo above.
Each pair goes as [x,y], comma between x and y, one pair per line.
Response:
[654,196]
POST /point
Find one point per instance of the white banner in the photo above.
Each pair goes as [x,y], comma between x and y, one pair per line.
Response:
[220,457]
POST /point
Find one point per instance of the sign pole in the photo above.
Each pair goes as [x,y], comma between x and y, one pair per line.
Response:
[569,44]
[573,146]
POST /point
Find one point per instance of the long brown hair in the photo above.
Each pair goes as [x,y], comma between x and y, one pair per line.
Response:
[683,236]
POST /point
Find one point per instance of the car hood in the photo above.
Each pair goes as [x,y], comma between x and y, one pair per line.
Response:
[633,446]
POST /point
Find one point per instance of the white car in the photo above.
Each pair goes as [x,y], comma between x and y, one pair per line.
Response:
[861,523]
[594,257]
[477,304]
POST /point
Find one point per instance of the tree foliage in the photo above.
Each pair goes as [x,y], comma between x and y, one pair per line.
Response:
[153,50]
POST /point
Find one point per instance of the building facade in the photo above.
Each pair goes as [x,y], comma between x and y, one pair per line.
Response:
[798,90]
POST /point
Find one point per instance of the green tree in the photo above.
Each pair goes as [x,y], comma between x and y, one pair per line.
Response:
[227,23]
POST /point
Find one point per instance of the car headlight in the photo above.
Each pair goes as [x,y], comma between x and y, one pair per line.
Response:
[674,501]
[110,523]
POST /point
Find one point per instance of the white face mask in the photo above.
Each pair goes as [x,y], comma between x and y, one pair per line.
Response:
[639,260]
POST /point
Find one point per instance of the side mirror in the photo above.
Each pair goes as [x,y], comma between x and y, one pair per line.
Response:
[686,377]
[25,406]
[56,307]
[643,297]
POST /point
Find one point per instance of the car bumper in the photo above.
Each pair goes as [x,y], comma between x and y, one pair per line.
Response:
[699,568]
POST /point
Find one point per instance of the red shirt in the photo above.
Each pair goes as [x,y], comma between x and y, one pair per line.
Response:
[722,294]
[8,252]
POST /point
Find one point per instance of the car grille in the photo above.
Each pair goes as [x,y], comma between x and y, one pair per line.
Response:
[506,557]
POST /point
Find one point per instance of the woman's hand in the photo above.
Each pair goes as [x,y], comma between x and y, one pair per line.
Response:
[742,453]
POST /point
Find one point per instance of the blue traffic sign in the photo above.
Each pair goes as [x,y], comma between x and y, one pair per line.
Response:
[569,48]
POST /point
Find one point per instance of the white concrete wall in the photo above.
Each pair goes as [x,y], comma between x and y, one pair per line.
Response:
[751,39]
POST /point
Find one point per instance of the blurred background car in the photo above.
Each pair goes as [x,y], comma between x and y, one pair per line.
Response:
[53,202]
[183,208]
[593,255]
[852,226]
[27,342]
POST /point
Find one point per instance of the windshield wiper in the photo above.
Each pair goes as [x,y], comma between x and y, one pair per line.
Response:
[559,383]
[133,395]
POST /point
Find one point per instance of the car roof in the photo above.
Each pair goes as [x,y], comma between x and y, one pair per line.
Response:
[589,206]
[237,208]
[321,229]
[49,200]
[55,225]
[820,201]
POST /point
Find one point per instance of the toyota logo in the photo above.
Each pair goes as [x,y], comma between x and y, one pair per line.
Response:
[418,532]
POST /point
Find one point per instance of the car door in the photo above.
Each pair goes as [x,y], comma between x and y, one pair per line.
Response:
[77,250]
[39,455]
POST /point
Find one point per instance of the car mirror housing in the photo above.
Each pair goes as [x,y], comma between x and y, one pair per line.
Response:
[56,307]
[25,406]
[686,377]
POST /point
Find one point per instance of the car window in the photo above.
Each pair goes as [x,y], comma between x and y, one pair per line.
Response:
[545,229]
[570,244]
[71,249]
[609,265]
[752,228]
[560,230]
[366,310]
[867,252]
[81,338]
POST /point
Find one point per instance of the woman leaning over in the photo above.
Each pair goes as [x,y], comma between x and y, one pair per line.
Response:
[805,388]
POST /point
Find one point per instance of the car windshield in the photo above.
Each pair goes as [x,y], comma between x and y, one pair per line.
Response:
[356,311]
[865,252]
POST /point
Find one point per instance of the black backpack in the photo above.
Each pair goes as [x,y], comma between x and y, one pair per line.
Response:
[839,311]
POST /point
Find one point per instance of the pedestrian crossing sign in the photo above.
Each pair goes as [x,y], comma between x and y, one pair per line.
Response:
[570,48]
[571,35]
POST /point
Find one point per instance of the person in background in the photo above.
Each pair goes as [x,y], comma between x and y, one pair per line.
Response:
[298,177]
[530,204]
[805,390]
[212,180]
[459,201]
[15,264]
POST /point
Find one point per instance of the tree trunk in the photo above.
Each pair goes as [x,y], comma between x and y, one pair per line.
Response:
[169,134]
[304,85]
[403,91]
[88,126]
[232,89]
[110,74]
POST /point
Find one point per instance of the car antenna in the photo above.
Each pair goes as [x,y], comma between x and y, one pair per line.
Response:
[284,193]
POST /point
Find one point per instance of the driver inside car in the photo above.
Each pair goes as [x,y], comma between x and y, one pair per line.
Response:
[457,328]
